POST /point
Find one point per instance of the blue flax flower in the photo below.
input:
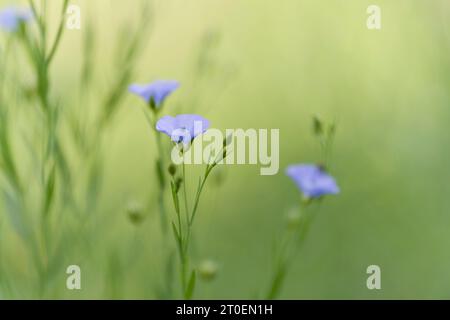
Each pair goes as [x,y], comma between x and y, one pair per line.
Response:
[11,18]
[312,180]
[155,92]
[182,128]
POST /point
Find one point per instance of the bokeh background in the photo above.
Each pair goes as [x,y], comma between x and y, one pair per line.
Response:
[266,64]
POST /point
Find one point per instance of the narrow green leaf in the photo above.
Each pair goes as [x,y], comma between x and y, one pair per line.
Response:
[175,231]
[277,283]
[177,238]
[160,173]
[176,200]
[49,191]
[191,286]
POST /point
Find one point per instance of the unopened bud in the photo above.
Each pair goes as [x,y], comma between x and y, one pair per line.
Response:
[172,169]
[317,126]
[152,104]
[208,270]
[227,140]
[178,183]
[135,213]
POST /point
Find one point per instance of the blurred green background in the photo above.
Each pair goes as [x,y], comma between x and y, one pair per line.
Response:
[271,64]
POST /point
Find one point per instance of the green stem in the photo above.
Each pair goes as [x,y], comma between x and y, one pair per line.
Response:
[58,34]
[199,192]
[186,206]
[160,166]
[183,242]
[162,181]
[41,63]
[288,252]
[38,17]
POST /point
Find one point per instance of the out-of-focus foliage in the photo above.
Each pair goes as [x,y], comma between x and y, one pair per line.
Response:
[241,64]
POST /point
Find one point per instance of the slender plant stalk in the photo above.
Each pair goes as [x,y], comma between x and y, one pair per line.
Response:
[183,232]
[186,206]
[41,63]
[289,248]
[54,170]
[294,239]
[160,172]
[59,33]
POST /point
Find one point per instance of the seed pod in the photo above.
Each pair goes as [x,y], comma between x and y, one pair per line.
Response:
[208,270]
[172,169]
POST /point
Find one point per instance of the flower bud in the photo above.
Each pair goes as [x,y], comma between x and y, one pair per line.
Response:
[135,213]
[178,183]
[227,140]
[172,169]
[152,104]
[208,270]
[317,126]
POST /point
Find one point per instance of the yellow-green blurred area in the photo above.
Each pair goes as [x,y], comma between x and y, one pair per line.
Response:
[262,64]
